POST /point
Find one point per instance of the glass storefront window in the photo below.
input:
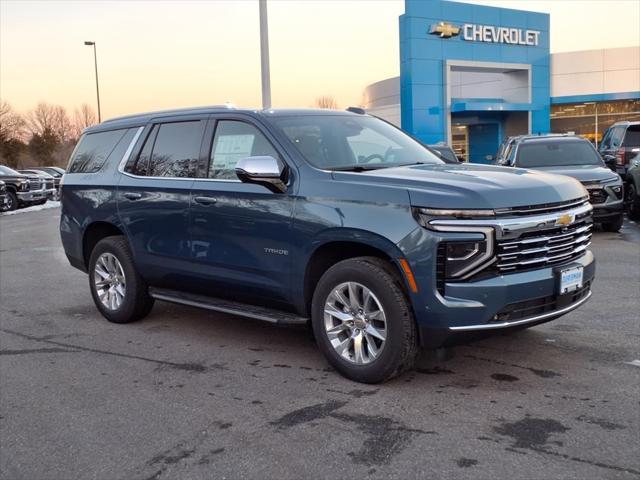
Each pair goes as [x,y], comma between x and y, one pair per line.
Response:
[591,119]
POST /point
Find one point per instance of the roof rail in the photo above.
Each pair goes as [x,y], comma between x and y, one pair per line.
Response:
[358,110]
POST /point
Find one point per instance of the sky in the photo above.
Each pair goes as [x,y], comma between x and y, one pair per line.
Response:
[164,54]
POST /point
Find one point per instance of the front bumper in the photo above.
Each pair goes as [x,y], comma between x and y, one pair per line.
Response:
[32,196]
[51,193]
[608,210]
[470,309]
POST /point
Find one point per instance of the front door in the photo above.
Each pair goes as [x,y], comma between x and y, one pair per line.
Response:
[154,195]
[240,232]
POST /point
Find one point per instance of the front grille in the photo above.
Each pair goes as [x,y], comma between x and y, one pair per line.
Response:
[441,268]
[35,184]
[597,195]
[544,247]
[538,306]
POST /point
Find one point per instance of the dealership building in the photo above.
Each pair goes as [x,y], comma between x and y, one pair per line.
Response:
[471,75]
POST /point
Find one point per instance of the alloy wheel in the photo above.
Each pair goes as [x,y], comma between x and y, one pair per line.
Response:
[110,281]
[355,323]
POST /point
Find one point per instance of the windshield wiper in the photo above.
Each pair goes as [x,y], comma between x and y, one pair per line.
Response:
[359,168]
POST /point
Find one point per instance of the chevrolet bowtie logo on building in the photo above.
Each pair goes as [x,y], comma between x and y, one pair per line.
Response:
[445,30]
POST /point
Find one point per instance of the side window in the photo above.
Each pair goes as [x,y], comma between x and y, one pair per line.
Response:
[234,140]
[141,166]
[175,150]
[616,137]
[606,140]
[93,150]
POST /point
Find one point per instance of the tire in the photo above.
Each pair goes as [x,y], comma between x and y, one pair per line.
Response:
[615,225]
[399,350]
[136,303]
[633,206]
[12,202]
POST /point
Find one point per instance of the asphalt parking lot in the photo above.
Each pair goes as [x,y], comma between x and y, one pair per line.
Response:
[192,394]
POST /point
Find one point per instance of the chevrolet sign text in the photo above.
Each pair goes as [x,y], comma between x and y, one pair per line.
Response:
[490,34]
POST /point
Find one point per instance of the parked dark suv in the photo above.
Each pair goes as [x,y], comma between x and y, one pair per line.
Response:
[22,190]
[577,158]
[336,218]
[620,143]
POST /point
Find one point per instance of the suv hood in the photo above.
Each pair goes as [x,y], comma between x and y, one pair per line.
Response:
[582,173]
[471,186]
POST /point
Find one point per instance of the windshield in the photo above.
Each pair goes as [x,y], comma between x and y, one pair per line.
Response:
[557,154]
[345,142]
[7,171]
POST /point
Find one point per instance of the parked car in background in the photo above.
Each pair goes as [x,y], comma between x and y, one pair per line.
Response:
[334,218]
[22,190]
[3,196]
[620,143]
[49,186]
[576,157]
[445,152]
[632,188]
[55,172]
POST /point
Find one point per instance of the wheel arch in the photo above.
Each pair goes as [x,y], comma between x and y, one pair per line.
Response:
[330,252]
[95,232]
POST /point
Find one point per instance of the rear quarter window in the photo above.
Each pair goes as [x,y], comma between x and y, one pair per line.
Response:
[95,148]
[632,137]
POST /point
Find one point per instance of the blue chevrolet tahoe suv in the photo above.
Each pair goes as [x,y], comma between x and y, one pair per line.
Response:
[334,218]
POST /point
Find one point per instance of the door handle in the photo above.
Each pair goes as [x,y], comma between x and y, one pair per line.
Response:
[206,200]
[133,196]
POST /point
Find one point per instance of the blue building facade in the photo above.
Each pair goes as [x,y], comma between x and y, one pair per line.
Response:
[484,69]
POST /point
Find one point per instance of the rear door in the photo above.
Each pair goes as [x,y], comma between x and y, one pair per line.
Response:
[240,232]
[154,195]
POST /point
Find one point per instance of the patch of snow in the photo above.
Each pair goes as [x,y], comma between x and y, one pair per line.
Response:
[635,363]
[34,208]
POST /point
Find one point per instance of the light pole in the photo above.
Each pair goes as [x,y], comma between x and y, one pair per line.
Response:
[95,61]
[264,55]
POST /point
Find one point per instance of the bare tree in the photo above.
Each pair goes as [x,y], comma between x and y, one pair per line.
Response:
[12,125]
[53,119]
[83,117]
[326,101]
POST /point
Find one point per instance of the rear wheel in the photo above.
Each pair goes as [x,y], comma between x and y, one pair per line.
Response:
[615,225]
[363,322]
[118,290]
[633,202]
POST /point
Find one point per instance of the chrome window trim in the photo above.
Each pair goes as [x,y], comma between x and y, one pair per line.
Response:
[513,226]
[536,318]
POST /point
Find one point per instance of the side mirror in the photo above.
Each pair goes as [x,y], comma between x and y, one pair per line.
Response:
[263,170]
[610,161]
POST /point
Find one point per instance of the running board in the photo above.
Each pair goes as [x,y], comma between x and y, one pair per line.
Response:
[226,306]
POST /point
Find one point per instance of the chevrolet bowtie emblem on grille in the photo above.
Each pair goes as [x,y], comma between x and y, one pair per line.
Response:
[564,220]
[445,30]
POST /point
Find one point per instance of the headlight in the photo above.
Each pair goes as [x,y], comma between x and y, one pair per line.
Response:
[423,215]
[25,185]
[463,257]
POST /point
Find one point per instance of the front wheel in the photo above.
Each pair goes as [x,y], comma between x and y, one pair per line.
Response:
[614,225]
[11,202]
[633,202]
[117,288]
[363,322]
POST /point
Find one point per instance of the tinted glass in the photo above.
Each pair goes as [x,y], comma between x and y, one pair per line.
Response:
[233,141]
[7,171]
[93,151]
[632,137]
[346,142]
[555,154]
[141,165]
[176,150]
